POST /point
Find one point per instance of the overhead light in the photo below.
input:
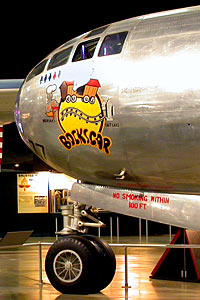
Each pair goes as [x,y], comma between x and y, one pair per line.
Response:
[16,165]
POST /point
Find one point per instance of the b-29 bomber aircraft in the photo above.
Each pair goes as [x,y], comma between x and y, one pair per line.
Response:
[118,108]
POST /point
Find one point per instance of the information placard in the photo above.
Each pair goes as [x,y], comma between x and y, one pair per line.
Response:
[32,192]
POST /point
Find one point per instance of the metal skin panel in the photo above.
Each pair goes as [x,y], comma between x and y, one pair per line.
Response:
[142,129]
[179,210]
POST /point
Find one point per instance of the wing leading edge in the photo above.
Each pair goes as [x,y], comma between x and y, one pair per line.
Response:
[8,93]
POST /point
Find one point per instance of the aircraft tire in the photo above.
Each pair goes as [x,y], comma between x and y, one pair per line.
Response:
[70,264]
[106,264]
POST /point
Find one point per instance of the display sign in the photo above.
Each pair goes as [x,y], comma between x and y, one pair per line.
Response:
[32,192]
[42,192]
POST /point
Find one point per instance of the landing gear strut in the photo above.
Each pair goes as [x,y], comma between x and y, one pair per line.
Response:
[74,216]
[80,263]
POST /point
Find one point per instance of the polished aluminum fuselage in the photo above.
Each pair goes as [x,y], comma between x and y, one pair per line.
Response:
[154,88]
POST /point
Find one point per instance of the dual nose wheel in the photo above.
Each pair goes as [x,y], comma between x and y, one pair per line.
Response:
[80,264]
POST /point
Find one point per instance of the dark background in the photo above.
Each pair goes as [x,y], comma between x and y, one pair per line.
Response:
[29,31]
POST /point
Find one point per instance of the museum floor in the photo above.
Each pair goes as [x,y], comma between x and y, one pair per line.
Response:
[19,276]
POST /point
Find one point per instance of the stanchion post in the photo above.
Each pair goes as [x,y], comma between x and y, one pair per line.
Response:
[40,263]
[170,233]
[117,229]
[140,230]
[147,232]
[111,230]
[126,286]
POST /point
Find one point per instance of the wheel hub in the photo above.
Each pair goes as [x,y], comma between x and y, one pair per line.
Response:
[68,266]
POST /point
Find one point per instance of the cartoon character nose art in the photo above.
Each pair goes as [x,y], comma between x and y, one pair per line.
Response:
[82,117]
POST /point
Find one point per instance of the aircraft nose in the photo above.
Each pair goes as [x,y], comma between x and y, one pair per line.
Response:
[17,111]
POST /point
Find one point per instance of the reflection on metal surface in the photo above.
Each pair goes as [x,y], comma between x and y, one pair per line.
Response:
[144,112]
[19,277]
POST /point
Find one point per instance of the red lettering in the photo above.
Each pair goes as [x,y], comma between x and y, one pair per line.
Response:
[131,205]
[167,200]
[137,205]
[160,200]
[116,195]
[125,196]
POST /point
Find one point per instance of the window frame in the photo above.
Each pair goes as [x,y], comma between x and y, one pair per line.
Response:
[114,51]
[80,45]
[37,70]
[61,62]
[96,31]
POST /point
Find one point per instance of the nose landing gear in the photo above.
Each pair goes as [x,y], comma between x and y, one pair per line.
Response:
[80,263]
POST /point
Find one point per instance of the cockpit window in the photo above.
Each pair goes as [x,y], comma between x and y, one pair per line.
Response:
[60,58]
[97,31]
[73,41]
[85,50]
[37,70]
[112,44]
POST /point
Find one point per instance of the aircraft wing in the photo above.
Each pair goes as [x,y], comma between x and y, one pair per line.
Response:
[8,93]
